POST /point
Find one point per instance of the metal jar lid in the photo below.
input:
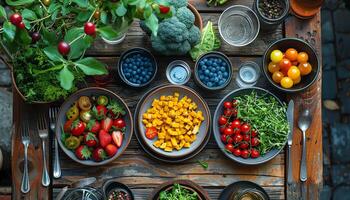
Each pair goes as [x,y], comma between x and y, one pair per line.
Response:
[178,72]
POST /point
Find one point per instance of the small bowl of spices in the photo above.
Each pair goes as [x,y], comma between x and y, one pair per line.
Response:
[116,191]
[271,13]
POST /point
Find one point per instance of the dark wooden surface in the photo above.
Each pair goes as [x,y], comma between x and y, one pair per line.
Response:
[142,174]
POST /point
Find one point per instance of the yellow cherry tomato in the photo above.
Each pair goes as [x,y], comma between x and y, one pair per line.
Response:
[296,81]
[293,72]
[276,56]
[305,68]
[273,67]
[303,57]
[277,76]
[287,82]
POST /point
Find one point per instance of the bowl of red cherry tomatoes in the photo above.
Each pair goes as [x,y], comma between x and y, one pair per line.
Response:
[291,65]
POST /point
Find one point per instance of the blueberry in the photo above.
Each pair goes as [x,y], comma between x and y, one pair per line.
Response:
[139,59]
[205,60]
[133,80]
[220,76]
[216,79]
[223,69]
[201,77]
[138,70]
[127,75]
[201,63]
[147,77]
[224,64]
[225,74]
[211,74]
[209,84]
[221,82]
[134,67]
[213,69]
[204,67]
[138,55]
[133,72]
[215,64]
[210,63]
[150,73]
[206,79]
[200,72]
[207,72]
[143,73]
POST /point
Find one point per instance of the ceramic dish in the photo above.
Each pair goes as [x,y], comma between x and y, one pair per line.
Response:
[183,91]
[187,184]
[237,189]
[110,186]
[218,112]
[61,119]
[153,154]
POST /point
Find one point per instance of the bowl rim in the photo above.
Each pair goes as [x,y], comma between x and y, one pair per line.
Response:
[290,90]
[255,16]
[93,163]
[284,14]
[206,110]
[121,73]
[215,53]
[217,134]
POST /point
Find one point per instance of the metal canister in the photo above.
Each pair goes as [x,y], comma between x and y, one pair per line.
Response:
[178,72]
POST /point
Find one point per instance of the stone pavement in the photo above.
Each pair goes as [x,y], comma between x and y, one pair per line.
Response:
[336,99]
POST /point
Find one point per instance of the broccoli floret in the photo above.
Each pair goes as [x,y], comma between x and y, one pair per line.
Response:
[178,3]
[145,28]
[158,44]
[184,48]
[172,30]
[185,16]
[194,35]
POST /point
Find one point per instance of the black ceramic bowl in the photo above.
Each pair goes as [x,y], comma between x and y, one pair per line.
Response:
[219,111]
[110,186]
[240,187]
[300,46]
[214,54]
[130,52]
[269,23]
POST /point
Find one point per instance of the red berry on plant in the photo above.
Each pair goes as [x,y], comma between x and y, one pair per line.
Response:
[254,133]
[236,152]
[244,145]
[222,120]
[90,28]
[164,9]
[21,25]
[36,37]
[228,131]
[255,142]
[245,128]
[236,124]
[63,48]
[15,19]
[245,153]
[228,105]
[223,138]
[254,153]
[246,137]
[238,138]
[229,147]
[222,129]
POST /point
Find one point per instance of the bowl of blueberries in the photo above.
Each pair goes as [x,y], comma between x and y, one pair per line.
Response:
[137,67]
[213,71]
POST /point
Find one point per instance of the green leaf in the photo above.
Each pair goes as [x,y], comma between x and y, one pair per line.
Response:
[9,31]
[53,7]
[84,16]
[24,37]
[53,54]
[103,17]
[152,23]
[28,14]
[91,66]
[3,12]
[108,32]
[49,37]
[66,78]
[203,164]
[27,24]
[133,2]
[82,3]
[79,47]
[121,10]
[18,2]
[72,34]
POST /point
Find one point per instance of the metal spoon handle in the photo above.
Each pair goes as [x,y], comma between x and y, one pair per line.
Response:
[45,179]
[303,168]
[25,186]
[290,166]
[56,164]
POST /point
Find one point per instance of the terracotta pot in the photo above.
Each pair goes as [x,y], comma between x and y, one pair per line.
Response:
[198,18]
[306,8]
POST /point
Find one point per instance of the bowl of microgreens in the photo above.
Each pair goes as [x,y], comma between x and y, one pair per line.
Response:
[250,125]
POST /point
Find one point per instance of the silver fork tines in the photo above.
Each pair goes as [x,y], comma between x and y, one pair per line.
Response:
[43,134]
[25,186]
[53,113]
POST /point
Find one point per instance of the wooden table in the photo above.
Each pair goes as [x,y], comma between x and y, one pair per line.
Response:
[142,174]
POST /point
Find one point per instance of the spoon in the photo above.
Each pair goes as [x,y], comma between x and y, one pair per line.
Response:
[304,123]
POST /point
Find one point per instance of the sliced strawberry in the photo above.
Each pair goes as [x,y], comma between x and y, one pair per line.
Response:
[107,124]
[99,154]
[99,112]
[94,126]
[104,138]
[83,152]
[111,150]
[117,138]
[90,139]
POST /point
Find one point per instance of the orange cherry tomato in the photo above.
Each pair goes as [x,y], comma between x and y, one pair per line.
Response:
[273,67]
[303,57]
[285,64]
[293,72]
[292,54]
[151,133]
[277,76]
[305,68]
[287,82]
[296,81]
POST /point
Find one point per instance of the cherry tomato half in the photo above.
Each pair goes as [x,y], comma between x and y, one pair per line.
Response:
[151,133]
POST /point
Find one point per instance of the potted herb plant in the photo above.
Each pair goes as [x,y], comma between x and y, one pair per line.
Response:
[46,40]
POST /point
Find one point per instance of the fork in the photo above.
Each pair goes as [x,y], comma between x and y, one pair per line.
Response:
[53,112]
[43,134]
[25,186]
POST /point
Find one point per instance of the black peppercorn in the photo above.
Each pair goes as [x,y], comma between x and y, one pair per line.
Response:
[271,9]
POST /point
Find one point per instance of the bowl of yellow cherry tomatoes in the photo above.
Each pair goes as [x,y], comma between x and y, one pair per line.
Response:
[291,64]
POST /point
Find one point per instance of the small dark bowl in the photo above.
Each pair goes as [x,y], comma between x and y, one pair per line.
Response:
[217,55]
[219,111]
[300,46]
[269,23]
[110,186]
[134,51]
[231,190]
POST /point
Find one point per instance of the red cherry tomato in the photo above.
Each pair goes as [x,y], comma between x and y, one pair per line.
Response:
[151,133]
[285,64]
[246,137]
[236,124]
[227,104]
[254,153]
[222,120]
[236,152]
[234,103]
[119,123]
[254,133]
[229,140]
[237,131]
[222,129]
[255,141]
[228,112]
[245,128]
[245,153]
[244,145]
[229,147]
[237,138]
[228,131]
[223,138]
[90,28]
[164,9]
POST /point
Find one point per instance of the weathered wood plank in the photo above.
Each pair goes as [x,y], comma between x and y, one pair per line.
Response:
[309,30]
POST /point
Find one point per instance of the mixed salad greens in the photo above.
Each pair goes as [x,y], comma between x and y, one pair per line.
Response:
[178,192]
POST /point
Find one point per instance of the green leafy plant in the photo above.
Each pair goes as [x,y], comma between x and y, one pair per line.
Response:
[178,192]
[47,39]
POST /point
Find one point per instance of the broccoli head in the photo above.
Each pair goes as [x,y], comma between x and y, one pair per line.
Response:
[194,35]
[179,48]
[158,44]
[178,3]
[172,30]
[185,16]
